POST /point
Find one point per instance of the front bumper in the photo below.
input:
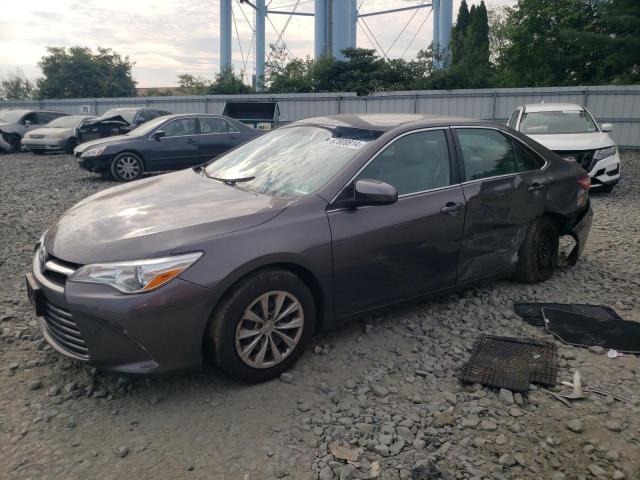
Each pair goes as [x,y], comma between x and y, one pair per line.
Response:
[44,143]
[580,233]
[94,164]
[152,333]
[605,171]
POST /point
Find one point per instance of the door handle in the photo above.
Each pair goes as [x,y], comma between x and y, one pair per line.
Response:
[233,137]
[536,187]
[451,208]
[192,140]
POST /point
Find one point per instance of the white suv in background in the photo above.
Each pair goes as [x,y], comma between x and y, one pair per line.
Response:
[570,131]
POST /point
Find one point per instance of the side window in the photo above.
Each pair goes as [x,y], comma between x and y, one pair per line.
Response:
[32,117]
[525,160]
[413,163]
[485,153]
[144,116]
[213,125]
[182,126]
[513,119]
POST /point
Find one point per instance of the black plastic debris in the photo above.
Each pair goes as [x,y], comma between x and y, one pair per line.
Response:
[532,312]
[511,363]
[586,331]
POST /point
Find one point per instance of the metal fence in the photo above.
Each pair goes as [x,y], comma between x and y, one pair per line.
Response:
[619,105]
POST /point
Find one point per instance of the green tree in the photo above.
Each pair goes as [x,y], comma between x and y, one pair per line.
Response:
[458,33]
[79,72]
[229,83]
[192,85]
[16,86]
[546,44]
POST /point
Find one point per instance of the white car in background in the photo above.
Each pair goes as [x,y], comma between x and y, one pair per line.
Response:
[570,131]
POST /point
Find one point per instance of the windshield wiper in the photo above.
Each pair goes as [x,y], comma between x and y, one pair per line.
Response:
[231,181]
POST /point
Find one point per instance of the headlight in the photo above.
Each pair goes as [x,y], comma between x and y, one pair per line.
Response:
[605,152]
[136,276]
[93,152]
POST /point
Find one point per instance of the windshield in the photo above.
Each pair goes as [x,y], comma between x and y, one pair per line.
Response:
[146,127]
[127,113]
[557,122]
[10,116]
[68,121]
[292,161]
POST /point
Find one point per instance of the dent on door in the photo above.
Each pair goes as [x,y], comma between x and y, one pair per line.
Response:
[495,224]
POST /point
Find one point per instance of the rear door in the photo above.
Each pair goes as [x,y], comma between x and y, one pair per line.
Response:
[504,189]
[216,137]
[383,254]
[177,149]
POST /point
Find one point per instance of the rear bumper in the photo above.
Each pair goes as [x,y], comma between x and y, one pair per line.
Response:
[153,333]
[580,233]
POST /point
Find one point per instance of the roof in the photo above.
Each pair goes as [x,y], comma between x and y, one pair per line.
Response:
[552,107]
[384,121]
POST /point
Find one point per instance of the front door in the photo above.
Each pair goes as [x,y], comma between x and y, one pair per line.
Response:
[383,254]
[177,149]
[504,188]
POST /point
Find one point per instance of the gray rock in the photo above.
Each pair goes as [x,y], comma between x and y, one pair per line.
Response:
[379,390]
[286,377]
[619,475]
[347,472]
[575,426]
[326,473]
[507,460]
[470,422]
[597,471]
[35,385]
[506,396]
[613,425]
[122,451]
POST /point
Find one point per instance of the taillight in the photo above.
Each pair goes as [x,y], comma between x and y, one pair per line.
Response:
[585,182]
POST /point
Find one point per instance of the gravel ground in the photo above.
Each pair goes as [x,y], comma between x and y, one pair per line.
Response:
[385,387]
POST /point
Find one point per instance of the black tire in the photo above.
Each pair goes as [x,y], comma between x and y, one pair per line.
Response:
[70,145]
[538,252]
[226,320]
[118,167]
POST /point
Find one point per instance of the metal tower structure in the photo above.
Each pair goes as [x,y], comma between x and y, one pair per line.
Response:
[335,23]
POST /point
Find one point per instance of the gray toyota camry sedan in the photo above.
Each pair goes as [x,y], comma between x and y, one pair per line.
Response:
[298,230]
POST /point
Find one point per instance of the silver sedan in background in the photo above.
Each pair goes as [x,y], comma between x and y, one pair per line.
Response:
[60,134]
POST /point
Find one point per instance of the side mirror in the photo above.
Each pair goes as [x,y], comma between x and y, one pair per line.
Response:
[27,123]
[606,127]
[158,134]
[373,192]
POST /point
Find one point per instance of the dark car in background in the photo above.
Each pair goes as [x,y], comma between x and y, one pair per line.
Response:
[118,121]
[14,124]
[60,134]
[166,143]
[302,228]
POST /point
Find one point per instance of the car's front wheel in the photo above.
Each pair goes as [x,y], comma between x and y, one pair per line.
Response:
[538,252]
[126,167]
[262,325]
[69,146]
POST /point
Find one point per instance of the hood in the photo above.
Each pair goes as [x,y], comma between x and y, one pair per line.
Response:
[114,119]
[92,143]
[152,217]
[574,141]
[50,131]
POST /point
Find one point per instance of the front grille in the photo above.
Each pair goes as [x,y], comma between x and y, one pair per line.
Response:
[36,136]
[584,158]
[56,270]
[64,331]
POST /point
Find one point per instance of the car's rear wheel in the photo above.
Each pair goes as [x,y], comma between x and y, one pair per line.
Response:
[262,325]
[69,146]
[538,252]
[126,167]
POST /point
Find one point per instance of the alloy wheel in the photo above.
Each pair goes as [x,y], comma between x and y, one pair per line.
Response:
[128,167]
[270,329]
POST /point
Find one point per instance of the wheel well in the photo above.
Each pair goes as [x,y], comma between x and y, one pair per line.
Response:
[304,274]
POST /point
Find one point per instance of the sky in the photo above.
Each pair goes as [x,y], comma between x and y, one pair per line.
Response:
[169,37]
